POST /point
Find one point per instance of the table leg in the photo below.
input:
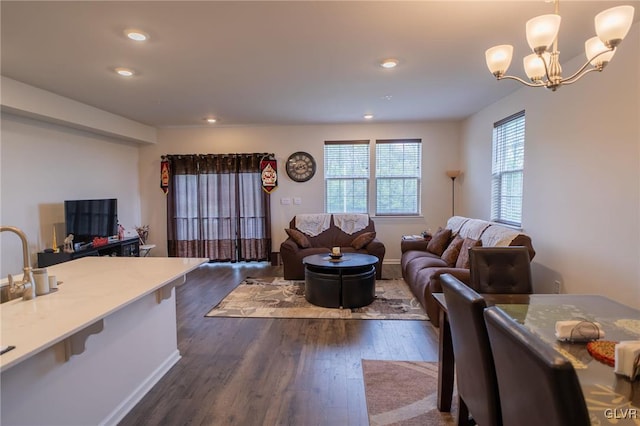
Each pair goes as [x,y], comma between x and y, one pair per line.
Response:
[446,364]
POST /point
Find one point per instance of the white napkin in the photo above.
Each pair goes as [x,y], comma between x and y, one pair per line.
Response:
[578,331]
[627,353]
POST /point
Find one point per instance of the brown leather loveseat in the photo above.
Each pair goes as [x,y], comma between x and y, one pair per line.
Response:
[448,253]
[318,233]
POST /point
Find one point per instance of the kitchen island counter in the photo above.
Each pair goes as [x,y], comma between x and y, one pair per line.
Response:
[103,339]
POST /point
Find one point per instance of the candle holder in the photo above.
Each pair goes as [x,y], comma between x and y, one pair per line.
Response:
[335,253]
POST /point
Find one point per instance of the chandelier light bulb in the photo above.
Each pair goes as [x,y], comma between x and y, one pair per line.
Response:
[542,31]
[499,58]
[612,25]
[597,53]
[534,66]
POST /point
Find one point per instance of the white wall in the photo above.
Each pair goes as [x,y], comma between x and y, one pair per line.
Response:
[43,164]
[440,152]
[581,179]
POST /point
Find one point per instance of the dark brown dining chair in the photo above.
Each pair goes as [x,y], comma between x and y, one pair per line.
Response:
[476,377]
[496,270]
[538,386]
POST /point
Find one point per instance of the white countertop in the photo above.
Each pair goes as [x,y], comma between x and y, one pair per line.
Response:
[91,289]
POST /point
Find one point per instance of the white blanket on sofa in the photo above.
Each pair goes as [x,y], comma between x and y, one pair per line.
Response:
[455,223]
[498,236]
[351,223]
[474,228]
[313,224]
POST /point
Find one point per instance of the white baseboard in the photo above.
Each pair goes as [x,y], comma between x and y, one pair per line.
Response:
[138,393]
[391,262]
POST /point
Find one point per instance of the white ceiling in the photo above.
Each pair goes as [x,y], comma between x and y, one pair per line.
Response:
[265,62]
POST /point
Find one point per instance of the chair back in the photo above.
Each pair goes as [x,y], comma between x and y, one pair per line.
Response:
[495,270]
[476,377]
[538,386]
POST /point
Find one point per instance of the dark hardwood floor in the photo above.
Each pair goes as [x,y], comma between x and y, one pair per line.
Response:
[248,371]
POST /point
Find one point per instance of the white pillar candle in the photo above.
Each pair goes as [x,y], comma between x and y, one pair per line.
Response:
[41,281]
[335,251]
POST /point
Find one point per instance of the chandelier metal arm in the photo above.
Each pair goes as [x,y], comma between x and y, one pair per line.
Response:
[583,70]
[577,76]
[526,83]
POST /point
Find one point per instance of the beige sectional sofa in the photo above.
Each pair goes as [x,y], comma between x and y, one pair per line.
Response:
[447,253]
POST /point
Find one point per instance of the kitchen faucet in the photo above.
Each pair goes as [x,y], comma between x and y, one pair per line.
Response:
[26,284]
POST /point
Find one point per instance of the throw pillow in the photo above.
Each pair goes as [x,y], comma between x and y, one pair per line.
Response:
[439,241]
[450,255]
[362,240]
[300,239]
[463,257]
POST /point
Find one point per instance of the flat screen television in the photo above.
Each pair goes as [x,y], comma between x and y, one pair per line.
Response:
[87,219]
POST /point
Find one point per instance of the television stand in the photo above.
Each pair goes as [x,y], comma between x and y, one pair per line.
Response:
[129,247]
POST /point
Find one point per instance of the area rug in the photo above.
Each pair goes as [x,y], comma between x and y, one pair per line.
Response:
[403,393]
[275,297]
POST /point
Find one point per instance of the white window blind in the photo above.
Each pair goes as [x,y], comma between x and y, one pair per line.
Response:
[346,174]
[507,170]
[398,171]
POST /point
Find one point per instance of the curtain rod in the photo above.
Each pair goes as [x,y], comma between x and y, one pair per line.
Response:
[264,154]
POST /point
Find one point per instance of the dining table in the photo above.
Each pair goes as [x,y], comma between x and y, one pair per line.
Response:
[610,398]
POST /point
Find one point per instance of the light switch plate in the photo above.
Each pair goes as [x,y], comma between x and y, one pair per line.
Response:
[297,201]
[285,201]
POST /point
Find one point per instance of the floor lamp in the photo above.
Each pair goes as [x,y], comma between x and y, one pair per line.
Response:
[453,174]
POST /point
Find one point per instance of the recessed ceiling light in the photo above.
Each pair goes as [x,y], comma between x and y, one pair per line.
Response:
[368,116]
[386,97]
[211,120]
[389,63]
[125,72]
[137,35]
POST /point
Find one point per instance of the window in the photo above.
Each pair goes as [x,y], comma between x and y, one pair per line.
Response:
[507,170]
[397,177]
[398,174]
[346,174]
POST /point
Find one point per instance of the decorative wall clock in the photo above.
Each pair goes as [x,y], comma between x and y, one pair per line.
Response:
[301,166]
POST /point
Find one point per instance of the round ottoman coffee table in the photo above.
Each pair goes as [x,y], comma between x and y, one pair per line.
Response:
[348,282]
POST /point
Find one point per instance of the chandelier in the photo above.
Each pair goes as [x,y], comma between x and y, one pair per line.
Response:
[543,65]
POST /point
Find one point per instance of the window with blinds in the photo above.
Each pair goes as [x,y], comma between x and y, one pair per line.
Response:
[507,170]
[398,171]
[346,175]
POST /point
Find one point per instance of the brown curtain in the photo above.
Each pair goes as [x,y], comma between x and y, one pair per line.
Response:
[216,208]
